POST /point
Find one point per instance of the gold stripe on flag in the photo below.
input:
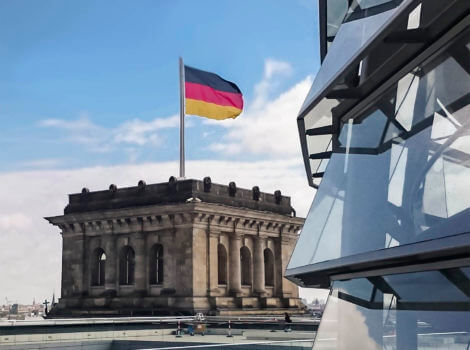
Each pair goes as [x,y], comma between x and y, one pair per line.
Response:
[211,110]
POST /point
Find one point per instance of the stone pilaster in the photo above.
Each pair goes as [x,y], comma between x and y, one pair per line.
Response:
[258,265]
[213,238]
[278,268]
[289,289]
[110,277]
[234,266]
[140,266]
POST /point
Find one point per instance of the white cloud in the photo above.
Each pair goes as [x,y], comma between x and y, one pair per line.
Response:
[273,67]
[132,154]
[82,131]
[267,128]
[228,148]
[139,132]
[82,123]
[100,139]
[273,70]
[30,262]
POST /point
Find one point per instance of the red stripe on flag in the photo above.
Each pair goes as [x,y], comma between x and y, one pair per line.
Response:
[206,93]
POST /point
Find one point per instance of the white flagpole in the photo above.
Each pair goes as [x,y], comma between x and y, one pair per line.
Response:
[182,113]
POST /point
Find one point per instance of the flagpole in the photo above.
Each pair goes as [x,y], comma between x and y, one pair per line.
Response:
[182,113]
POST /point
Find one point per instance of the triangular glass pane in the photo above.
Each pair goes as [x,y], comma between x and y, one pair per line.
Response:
[392,132]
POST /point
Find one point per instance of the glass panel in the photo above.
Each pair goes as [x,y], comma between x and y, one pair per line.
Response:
[423,310]
[336,11]
[438,287]
[349,41]
[339,11]
[323,165]
[328,202]
[364,134]
[392,132]
[403,176]
[319,117]
[365,4]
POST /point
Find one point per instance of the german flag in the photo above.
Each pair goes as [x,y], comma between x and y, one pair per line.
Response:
[211,96]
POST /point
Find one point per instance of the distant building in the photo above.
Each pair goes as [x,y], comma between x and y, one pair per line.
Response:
[177,247]
[14,309]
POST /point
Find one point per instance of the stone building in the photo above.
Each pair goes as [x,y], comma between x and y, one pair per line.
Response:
[177,247]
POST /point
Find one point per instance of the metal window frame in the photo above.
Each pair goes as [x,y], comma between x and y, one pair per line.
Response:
[322,21]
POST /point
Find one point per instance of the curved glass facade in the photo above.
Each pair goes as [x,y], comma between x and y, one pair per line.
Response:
[400,173]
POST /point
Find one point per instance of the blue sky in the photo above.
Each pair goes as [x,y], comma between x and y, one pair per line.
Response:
[100,65]
[89,96]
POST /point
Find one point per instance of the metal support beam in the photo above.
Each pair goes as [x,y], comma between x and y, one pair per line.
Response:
[321,155]
[324,130]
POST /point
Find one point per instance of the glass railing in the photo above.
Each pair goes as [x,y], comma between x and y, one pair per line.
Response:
[156,333]
[278,345]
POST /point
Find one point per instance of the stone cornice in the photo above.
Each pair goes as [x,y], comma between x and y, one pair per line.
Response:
[220,218]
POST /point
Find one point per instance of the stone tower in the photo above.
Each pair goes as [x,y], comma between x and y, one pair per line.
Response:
[176,248]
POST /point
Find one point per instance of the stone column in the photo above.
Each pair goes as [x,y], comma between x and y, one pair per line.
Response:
[110,269]
[140,268]
[258,265]
[213,241]
[234,266]
[278,265]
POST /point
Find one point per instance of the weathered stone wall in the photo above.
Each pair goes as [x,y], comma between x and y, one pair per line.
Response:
[72,263]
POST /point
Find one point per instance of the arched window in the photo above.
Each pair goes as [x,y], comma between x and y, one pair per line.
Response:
[268,267]
[98,267]
[156,264]
[221,264]
[245,264]
[126,265]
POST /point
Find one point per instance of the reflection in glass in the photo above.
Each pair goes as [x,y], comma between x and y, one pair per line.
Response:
[400,174]
[341,11]
[364,134]
[422,310]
